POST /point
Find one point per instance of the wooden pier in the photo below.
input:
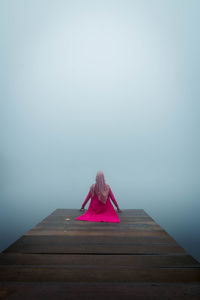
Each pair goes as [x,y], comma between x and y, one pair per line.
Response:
[62,258]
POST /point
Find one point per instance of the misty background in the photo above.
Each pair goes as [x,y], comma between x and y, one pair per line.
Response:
[100,85]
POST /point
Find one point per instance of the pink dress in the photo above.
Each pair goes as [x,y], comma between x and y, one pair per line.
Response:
[98,211]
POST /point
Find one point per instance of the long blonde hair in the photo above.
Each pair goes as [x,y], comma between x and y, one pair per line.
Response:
[100,187]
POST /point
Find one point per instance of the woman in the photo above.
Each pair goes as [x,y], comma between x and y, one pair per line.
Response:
[100,208]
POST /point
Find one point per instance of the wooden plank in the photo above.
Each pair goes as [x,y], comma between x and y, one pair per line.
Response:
[87,240]
[84,232]
[134,220]
[134,228]
[101,249]
[97,291]
[61,244]
[96,259]
[122,229]
[100,273]
[136,258]
[80,224]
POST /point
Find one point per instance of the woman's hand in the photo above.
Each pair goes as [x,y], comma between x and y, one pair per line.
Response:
[82,209]
[119,210]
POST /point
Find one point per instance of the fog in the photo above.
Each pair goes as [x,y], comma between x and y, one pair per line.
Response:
[100,85]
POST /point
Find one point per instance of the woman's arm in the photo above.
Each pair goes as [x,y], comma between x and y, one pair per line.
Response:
[86,200]
[113,199]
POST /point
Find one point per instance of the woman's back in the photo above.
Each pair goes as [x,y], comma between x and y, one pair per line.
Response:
[100,208]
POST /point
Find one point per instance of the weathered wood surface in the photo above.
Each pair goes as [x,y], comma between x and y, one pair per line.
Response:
[62,258]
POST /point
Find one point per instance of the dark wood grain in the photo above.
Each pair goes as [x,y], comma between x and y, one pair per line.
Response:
[98,291]
[96,259]
[64,258]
